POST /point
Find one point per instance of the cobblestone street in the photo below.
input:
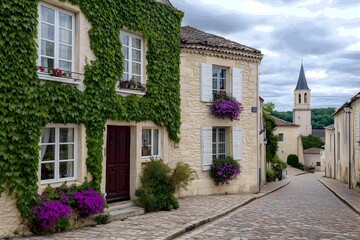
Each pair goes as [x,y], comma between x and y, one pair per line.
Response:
[304,209]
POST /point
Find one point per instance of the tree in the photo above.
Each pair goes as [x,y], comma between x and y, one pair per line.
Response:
[272,140]
[311,141]
[269,107]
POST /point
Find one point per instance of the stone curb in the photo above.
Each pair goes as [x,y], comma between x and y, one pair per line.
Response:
[338,195]
[299,174]
[192,225]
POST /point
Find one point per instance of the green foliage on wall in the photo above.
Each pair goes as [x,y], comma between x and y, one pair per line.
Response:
[272,139]
[26,105]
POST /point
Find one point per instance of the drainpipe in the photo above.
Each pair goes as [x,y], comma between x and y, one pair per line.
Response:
[347,110]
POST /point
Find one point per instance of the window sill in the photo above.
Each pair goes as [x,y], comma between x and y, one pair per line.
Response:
[59,79]
[43,182]
[126,92]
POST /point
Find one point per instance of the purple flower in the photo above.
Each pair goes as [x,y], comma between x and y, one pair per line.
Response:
[224,170]
[226,107]
[88,202]
[47,213]
[42,69]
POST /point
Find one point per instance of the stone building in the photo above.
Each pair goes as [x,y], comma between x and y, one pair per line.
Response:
[342,144]
[289,139]
[209,64]
[123,146]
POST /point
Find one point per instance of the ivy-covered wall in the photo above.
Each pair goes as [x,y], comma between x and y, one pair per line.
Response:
[26,105]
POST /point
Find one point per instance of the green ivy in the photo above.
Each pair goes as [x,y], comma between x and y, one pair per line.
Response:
[26,105]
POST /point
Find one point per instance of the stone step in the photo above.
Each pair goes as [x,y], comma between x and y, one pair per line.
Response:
[116,215]
[120,205]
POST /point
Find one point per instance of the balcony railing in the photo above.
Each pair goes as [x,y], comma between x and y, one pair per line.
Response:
[58,74]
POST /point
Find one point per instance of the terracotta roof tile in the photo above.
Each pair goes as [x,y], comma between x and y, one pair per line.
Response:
[193,36]
[281,122]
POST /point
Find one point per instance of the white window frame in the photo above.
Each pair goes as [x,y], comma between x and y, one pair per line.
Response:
[152,142]
[142,63]
[218,79]
[217,142]
[56,41]
[57,154]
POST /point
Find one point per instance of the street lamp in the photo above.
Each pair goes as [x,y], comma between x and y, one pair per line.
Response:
[347,110]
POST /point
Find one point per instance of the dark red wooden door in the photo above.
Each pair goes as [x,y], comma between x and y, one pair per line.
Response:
[117,163]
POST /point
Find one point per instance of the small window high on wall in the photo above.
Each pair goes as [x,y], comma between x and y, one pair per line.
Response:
[299,98]
[305,98]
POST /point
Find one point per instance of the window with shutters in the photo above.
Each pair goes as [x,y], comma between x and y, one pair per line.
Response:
[219,144]
[220,79]
[56,51]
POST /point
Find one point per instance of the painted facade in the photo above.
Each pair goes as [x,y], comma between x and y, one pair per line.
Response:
[342,156]
[240,66]
[289,140]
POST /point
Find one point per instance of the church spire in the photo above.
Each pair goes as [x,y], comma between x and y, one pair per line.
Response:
[302,84]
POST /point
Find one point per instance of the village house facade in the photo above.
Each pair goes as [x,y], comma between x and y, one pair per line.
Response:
[210,64]
[342,147]
[77,142]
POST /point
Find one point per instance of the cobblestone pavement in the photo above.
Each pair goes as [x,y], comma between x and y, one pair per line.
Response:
[352,197]
[304,209]
[162,225]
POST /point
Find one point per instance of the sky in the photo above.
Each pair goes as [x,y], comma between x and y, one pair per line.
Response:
[325,34]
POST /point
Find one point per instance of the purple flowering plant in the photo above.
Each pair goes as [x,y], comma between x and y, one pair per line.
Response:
[223,171]
[52,210]
[225,106]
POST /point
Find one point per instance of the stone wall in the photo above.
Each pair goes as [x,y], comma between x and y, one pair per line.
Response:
[196,114]
[290,143]
[329,152]
[10,218]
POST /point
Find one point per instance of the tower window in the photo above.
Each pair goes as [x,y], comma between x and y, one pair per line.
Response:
[305,98]
[299,98]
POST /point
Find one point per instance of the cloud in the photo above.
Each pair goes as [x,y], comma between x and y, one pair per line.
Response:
[307,38]
[215,18]
[321,74]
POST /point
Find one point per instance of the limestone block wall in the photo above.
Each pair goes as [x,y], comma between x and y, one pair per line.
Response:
[10,218]
[356,141]
[196,114]
[341,146]
[329,152]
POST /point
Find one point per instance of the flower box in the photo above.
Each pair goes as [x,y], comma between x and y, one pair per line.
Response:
[225,106]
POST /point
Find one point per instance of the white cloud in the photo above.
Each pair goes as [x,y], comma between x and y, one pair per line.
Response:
[316,74]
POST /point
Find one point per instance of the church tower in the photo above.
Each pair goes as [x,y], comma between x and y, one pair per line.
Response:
[302,107]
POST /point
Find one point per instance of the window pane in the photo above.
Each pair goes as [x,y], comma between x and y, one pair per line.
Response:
[66,135]
[214,135]
[66,169]
[65,20]
[214,148]
[125,76]
[47,48]
[47,31]
[64,65]
[221,149]
[124,39]
[64,52]
[146,142]
[126,66]
[221,135]
[136,43]
[66,151]
[47,15]
[48,135]
[47,62]
[136,68]
[222,156]
[156,142]
[47,153]
[222,84]
[125,51]
[214,84]
[65,36]
[222,73]
[47,171]
[136,78]
[136,55]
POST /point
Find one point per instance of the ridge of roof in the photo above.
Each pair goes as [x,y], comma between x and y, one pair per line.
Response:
[302,84]
[193,36]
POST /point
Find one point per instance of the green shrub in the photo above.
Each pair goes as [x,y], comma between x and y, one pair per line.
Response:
[278,166]
[160,182]
[270,175]
[102,219]
[293,160]
[182,176]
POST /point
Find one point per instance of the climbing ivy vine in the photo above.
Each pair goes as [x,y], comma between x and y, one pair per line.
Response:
[26,105]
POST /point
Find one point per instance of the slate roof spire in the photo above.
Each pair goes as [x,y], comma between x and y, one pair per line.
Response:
[302,84]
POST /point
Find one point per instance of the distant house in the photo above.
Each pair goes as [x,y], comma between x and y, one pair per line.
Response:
[211,64]
[313,157]
[289,139]
[342,144]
